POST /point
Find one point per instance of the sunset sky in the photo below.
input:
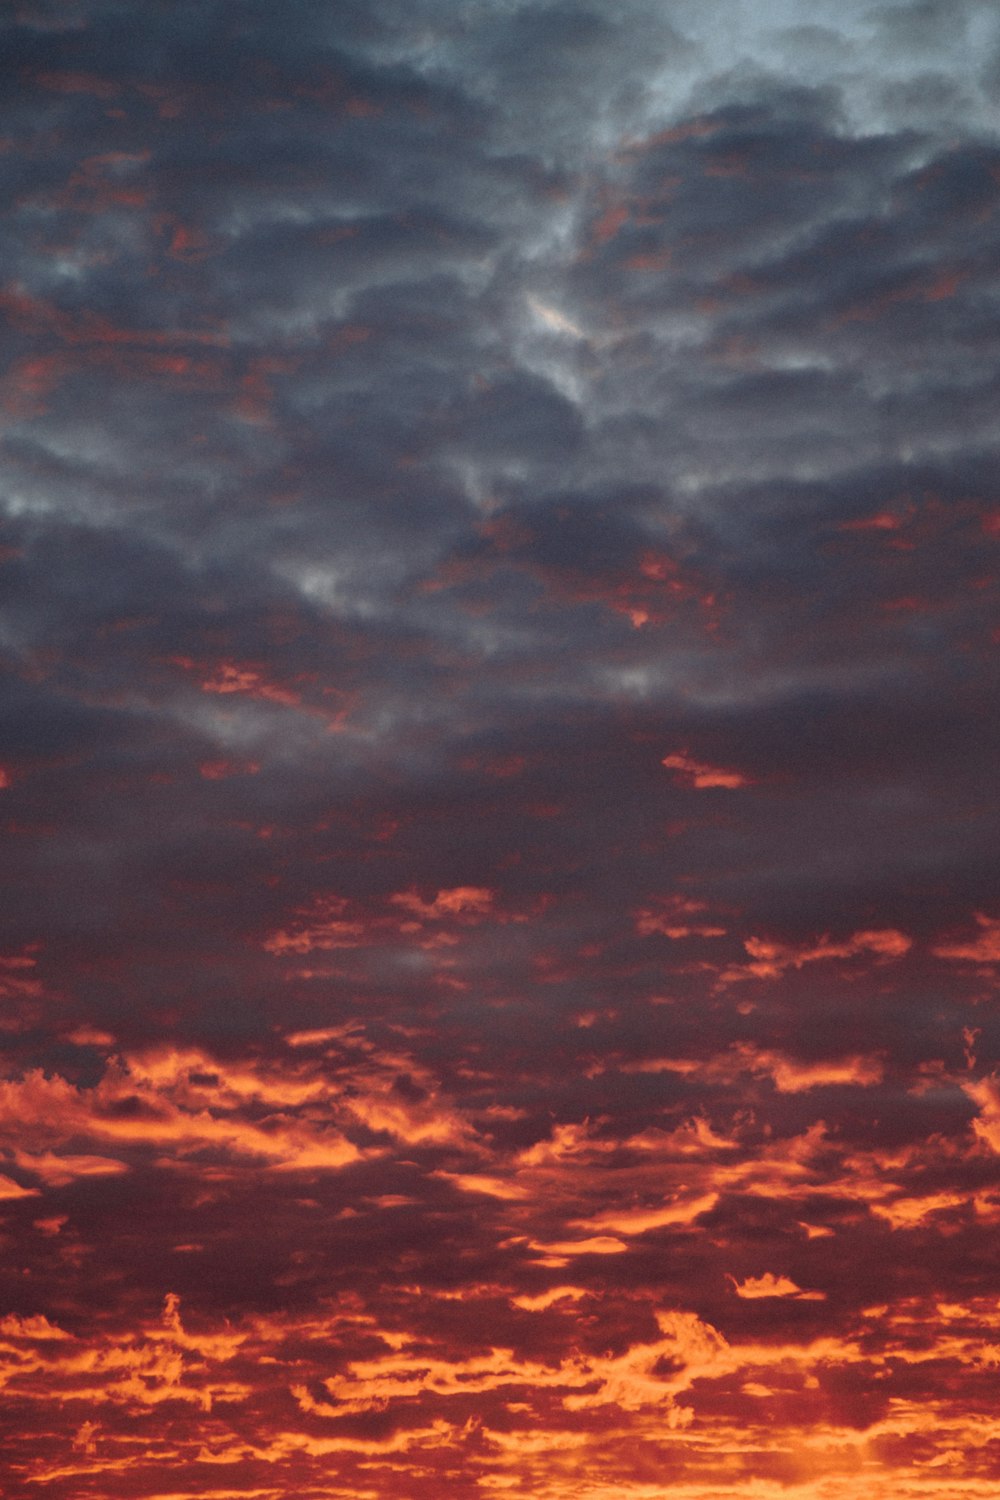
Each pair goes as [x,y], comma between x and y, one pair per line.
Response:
[499,619]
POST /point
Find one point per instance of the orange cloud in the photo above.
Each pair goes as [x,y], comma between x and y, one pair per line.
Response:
[322,925]
[39,1114]
[56,1171]
[31,1328]
[985,1092]
[691,772]
[491,1187]
[232,677]
[10,1189]
[461,900]
[546,1299]
[770,959]
[792,1076]
[904,1212]
[330,921]
[769,1285]
[646,1375]
[684,1209]
[676,917]
[598,1244]
[984,949]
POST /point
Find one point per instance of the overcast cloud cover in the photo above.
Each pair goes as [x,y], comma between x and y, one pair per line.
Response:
[499,719]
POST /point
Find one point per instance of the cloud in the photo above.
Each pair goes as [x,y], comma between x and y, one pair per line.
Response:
[984,949]
[498,550]
[770,959]
[769,1285]
[694,773]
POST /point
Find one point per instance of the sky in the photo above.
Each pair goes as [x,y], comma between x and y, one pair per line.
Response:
[499,722]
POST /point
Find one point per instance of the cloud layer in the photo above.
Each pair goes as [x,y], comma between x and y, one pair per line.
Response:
[498,557]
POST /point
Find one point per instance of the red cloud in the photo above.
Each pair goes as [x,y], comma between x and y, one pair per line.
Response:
[770,959]
[697,773]
[984,949]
